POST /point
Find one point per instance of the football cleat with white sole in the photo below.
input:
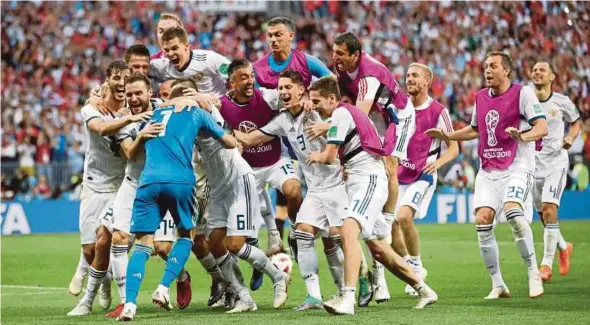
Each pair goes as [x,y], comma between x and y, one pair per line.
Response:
[535,286]
[83,308]
[242,307]
[382,293]
[339,306]
[280,288]
[162,298]
[428,297]
[128,312]
[77,282]
[105,297]
[497,293]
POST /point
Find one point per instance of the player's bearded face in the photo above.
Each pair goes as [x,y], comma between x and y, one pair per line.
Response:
[495,72]
[243,82]
[542,74]
[139,64]
[343,59]
[117,84]
[415,81]
[290,93]
[138,96]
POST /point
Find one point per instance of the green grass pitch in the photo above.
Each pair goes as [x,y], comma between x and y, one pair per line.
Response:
[36,271]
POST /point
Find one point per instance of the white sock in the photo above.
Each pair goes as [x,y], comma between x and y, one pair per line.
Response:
[550,238]
[407,259]
[259,261]
[308,263]
[523,236]
[335,257]
[234,276]
[268,214]
[94,281]
[210,264]
[416,263]
[82,264]
[561,243]
[348,293]
[378,272]
[422,288]
[119,261]
[488,248]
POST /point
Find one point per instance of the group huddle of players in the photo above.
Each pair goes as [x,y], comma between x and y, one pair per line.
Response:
[165,175]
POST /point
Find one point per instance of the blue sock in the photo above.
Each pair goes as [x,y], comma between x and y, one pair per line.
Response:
[136,271]
[176,260]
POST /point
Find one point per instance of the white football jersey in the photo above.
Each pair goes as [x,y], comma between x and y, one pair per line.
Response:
[530,109]
[319,177]
[103,166]
[209,67]
[134,166]
[363,163]
[558,109]
[222,166]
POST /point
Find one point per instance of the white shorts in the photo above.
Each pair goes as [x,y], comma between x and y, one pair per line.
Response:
[494,193]
[416,196]
[275,176]
[367,195]
[324,209]
[95,209]
[123,208]
[549,189]
[238,209]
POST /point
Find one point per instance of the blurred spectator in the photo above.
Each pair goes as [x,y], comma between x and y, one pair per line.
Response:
[579,175]
[76,158]
[8,149]
[42,190]
[26,151]
[43,156]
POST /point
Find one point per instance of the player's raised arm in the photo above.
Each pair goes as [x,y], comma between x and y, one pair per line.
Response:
[106,128]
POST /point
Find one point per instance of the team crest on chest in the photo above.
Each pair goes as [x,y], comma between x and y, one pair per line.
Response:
[247,126]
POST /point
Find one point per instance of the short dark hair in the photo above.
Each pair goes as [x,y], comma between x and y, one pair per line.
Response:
[293,75]
[138,76]
[117,65]
[235,65]
[185,83]
[326,86]
[175,32]
[138,50]
[282,21]
[506,59]
[352,42]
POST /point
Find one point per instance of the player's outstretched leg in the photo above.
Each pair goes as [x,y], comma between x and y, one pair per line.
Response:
[335,257]
[256,257]
[119,262]
[209,262]
[308,265]
[366,281]
[257,277]
[383,253]
[268,215]
[523,236]
[552,238]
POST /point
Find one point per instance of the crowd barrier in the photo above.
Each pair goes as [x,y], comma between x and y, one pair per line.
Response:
[61,216]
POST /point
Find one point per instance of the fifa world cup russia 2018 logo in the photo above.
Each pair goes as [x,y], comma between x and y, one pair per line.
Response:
[247,126]
[492,118]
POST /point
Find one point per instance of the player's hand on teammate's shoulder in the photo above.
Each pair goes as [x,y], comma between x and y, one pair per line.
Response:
[142,117]
[437,134]
[316,130]
[567,142]
[151,130]
[514,133]
[306,105]
[204,100]
[313,157]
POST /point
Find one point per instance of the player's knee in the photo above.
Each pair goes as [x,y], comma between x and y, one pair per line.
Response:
[103,238]
[121,238]
[292,190]
[405,216]
[234,244]
[484,216]
[377,249]
[163,248]
[549,212]
[305,228]
[88,251]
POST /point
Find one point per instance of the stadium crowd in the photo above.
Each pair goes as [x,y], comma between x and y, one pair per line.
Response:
[50,62]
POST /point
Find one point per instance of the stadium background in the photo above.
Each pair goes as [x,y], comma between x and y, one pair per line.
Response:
[53,53]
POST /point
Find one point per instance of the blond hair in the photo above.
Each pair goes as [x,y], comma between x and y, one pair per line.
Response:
[429,73]
[171,16]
